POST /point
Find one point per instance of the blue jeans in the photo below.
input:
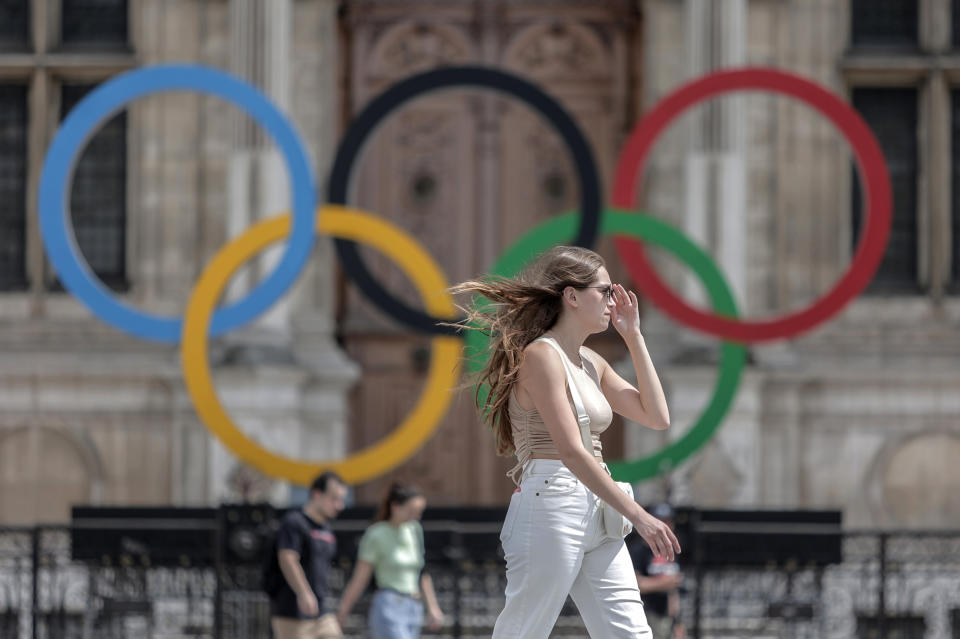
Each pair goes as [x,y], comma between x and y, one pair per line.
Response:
[394,616]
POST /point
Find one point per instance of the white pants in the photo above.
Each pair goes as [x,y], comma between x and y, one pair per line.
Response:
[554,545]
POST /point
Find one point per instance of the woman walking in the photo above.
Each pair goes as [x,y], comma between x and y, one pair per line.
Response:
[392,551]
[549,399]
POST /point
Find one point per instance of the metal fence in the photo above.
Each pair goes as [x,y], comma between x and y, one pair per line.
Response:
[894,585]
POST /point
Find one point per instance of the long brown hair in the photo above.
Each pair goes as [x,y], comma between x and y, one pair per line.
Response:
[398,494]
[523,309]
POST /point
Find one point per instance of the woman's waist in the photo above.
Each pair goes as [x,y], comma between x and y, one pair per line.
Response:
[539,466]
[399,568]
[395,591]
[556,456]
[527,454]
[540,445]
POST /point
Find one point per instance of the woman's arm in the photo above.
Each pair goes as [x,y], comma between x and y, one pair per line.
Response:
[544,379]
[434,614]
[358,583]
[646,405]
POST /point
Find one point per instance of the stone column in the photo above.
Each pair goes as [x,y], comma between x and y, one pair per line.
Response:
[324,402]
[715,164]
[290,350]
[711,211]
[260,52]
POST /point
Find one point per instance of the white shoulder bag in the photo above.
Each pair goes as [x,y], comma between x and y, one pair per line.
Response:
[615,525]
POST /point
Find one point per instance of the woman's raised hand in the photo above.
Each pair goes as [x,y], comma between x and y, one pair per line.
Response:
[626,311]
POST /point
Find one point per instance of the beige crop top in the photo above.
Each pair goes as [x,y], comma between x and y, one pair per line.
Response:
[530,434]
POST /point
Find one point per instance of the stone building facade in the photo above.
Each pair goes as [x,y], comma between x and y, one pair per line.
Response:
[860,414]
[88,413]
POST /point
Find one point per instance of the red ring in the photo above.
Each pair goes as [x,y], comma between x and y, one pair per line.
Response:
[873,169]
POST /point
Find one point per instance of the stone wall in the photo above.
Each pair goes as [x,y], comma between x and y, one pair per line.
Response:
[857,414]
[91,415]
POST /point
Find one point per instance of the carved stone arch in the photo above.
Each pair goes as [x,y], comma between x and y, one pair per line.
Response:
[417,45]
[558,49]
[912,483]
[52,465]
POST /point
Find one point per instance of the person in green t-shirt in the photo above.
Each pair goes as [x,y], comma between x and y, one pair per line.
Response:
[391,550]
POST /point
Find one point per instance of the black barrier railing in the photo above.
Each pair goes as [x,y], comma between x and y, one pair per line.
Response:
[151,578]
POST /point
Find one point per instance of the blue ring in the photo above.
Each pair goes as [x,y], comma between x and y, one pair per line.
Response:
[58,166]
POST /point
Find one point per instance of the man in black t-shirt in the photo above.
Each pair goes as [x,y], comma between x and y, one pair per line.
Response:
[305,547]
[658,580]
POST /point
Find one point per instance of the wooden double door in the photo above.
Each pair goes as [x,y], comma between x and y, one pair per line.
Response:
[467,172]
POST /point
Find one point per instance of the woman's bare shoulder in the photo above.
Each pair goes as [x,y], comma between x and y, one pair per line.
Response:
[539,357]
[540,368]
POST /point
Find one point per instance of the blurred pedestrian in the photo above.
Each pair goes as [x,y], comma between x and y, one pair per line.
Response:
[305,546]
[392,551]
[659,580]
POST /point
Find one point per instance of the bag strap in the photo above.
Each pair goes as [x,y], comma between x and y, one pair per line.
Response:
[583,420]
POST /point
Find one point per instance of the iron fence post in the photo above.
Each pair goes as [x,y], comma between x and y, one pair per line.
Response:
[34,587]
[218,584]
[882,597]
[698,570]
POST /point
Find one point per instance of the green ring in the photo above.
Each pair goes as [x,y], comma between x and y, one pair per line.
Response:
[732,354]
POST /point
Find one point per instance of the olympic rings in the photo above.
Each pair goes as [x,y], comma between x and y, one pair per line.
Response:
[869,158]
[351,226]
[467,76]
[732,356]
[53,203]
[443,371]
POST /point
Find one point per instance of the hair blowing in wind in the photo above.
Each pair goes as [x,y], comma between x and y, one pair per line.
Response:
[516,312]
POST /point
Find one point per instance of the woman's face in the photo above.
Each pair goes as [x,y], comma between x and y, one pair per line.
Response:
[410,509]
[596,302]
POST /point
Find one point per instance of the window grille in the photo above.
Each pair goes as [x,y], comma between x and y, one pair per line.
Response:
[14,24]
[955,183]
[97,22]
[955,23]
[13,187]
[98,195]
[892,115]
[885,23]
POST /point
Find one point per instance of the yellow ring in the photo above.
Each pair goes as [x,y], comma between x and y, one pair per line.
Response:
[443,373]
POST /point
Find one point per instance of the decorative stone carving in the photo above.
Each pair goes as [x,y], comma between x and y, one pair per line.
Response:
[921,481]
[416,46]
[561,49]
[419,134]
[248,485]
[555,180]
[45,470]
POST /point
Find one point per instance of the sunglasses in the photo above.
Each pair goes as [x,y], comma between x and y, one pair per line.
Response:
[606,289]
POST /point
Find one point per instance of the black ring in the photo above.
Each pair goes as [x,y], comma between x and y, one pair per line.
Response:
[466,76]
